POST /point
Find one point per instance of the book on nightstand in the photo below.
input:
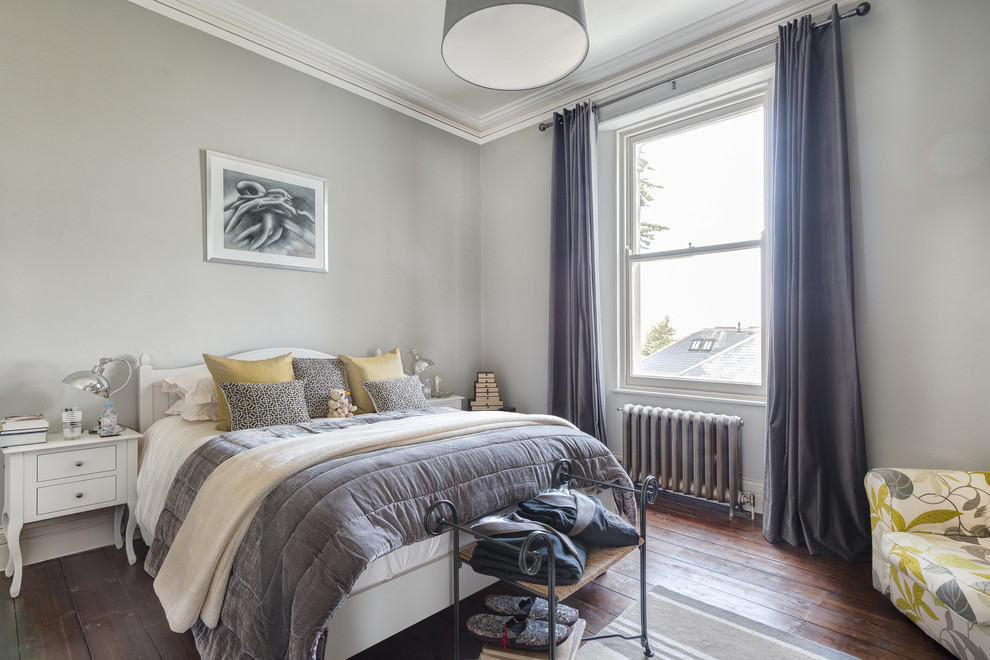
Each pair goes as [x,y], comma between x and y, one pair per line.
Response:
[24,423]
[18,430]
[17,438]
[566,650]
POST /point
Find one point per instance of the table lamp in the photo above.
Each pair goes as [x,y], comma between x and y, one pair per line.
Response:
[94,381]
[420,364]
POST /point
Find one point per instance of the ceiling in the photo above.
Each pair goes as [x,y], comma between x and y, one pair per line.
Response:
[389,50]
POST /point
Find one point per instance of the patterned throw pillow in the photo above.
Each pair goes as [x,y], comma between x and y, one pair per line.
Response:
[380,367]
[321,376]
[396,394]
[232,370]
[256,405]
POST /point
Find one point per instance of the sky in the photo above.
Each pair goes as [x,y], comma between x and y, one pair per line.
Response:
[713,192]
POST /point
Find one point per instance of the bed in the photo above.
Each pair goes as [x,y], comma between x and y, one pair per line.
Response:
[376,604]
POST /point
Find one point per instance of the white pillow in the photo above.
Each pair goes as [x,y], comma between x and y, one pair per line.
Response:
[195,412]
[195,388]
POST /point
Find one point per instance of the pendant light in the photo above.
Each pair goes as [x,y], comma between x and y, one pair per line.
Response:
[512,45]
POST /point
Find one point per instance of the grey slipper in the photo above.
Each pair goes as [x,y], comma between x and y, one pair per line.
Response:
[534,608]
[517,632]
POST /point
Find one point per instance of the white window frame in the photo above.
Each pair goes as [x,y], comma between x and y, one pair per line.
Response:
[721,101]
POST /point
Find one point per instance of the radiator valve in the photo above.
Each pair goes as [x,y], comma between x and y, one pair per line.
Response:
[749,499]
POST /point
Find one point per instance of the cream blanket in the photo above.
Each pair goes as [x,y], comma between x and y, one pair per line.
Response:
[193,577]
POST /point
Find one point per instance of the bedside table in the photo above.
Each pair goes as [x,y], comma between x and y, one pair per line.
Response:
[59,477]
[455,401]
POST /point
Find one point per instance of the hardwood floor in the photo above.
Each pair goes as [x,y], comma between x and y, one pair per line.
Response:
[95,605]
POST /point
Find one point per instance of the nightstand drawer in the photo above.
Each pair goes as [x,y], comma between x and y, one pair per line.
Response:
[76,462]
[76,494]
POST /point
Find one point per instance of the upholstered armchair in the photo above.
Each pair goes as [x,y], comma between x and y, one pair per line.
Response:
[931,552]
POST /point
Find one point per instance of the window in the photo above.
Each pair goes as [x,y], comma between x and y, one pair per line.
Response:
[693,189]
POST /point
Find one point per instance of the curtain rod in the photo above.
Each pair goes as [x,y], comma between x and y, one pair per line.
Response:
[861,10]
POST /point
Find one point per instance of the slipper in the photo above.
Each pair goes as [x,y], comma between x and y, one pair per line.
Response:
[517,632]
[534,608]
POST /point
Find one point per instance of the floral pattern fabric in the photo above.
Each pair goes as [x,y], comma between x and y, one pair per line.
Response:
[931,552]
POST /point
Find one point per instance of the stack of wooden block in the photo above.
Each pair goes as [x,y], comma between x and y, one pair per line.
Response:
[486,396]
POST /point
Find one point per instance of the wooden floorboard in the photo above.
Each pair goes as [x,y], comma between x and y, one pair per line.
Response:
[95,604]
[110,625]
[8,630]
[47,625]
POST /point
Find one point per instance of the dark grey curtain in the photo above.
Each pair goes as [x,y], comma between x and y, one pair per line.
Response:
[816,453]
[577,390]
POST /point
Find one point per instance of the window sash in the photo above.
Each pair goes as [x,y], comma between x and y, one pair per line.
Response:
[725,107]
[695,250]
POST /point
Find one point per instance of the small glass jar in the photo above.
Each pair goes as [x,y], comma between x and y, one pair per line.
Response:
[71,422]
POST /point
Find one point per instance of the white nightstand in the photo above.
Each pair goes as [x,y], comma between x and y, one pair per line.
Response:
[453,401]
[59,477]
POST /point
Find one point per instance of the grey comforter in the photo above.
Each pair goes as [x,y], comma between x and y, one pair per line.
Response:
[318,530]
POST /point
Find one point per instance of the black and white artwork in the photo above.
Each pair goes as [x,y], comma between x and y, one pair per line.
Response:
[264,215]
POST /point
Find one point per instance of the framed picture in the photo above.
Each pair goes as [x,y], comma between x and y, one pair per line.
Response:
[262,215]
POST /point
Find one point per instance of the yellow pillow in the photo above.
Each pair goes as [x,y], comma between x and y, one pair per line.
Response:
[359,370]
[227,370]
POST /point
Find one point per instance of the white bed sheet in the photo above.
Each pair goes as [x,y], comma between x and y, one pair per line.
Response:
[169,441]
[166,445]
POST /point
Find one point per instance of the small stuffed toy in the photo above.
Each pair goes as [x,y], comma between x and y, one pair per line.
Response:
[340,404]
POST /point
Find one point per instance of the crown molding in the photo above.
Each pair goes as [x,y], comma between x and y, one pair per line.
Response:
[718,34]
[640,68]
[259,34]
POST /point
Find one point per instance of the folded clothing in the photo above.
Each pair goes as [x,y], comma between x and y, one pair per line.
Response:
[580,516]
[498,561]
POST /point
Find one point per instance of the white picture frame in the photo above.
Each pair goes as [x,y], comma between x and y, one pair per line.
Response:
[264,215]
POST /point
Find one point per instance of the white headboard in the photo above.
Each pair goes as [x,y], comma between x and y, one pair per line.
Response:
[152,402]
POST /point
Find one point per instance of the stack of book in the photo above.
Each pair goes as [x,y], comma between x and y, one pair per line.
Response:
[23,430]
[486,395]
[566,650]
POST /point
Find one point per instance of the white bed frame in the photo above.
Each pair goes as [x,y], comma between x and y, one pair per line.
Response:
[366,617]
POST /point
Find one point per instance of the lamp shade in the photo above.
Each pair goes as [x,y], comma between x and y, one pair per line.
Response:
[94,382]
[420,364]
[513,45]
[88,381]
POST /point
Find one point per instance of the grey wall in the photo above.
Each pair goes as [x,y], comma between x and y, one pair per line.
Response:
[918,98]
[918,95]
[515,261]
[106,108]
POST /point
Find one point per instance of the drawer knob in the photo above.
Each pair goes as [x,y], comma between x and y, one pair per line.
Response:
[79,496]
[79,463]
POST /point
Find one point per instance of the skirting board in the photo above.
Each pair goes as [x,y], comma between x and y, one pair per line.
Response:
[756,488]
[749,487]
[47,539]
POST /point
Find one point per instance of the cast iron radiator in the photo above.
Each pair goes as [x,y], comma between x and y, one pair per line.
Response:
[688,452]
